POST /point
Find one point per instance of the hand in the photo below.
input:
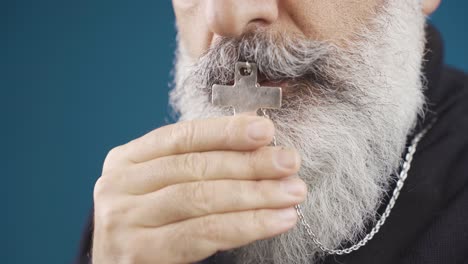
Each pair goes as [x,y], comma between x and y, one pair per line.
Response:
[185,191]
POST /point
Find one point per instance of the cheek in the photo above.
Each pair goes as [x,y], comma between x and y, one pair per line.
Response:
[332,20]
[191,26]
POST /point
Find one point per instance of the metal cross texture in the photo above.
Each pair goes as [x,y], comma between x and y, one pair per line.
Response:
[246,95]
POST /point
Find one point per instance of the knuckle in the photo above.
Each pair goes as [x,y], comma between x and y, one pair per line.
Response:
[242,120]
[185,249]
[195,164]
[183,135]
[110,215]
[257,187]
[186,162]
[102,188]
[258,219]
[200,197]
[258,192]
[113,239]
[210,228]
[198,164]
[253,158]
[104,224]
[132,253]
[202,165]
[112,158]
[107,219]
[240,194]
[231,129]
[129,257]
[113,154]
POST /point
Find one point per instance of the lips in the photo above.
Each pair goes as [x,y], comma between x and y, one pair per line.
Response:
[263,81]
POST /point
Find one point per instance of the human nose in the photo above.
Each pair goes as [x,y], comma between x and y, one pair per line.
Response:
[231,18]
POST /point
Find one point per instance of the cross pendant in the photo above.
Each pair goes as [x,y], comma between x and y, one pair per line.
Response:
[246,95]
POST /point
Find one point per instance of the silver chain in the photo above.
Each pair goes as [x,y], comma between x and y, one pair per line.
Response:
[396,193]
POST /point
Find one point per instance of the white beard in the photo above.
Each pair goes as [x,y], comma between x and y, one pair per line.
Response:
[349,122]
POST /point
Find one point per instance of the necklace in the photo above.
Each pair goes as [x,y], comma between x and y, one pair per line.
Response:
[396,193]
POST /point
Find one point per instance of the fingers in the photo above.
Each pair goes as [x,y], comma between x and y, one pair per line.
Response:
[264,163]
[225,133]
[190,200]
[198,238]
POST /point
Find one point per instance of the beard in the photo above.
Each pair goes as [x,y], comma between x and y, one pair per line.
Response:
[347,109]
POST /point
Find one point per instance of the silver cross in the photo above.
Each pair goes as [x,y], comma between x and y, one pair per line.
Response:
[246,95]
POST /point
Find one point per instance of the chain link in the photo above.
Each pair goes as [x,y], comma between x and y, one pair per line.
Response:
[396,193]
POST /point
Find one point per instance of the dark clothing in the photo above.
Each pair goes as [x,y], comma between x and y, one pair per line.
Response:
[429,223]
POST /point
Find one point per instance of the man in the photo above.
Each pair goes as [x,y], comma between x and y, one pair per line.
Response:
[370,141]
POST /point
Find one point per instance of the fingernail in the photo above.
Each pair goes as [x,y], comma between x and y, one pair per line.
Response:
[259,129]
[286,159]
[294,186]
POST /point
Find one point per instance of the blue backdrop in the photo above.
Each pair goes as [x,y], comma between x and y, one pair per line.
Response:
[77,78]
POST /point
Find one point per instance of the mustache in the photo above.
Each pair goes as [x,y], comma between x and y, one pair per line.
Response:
[280,57]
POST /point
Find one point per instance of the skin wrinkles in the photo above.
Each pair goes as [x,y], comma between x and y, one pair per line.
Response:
[333,20]
[321,20]
[345,66]
[187,190]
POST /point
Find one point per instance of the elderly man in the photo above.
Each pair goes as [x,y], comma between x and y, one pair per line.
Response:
[310,132]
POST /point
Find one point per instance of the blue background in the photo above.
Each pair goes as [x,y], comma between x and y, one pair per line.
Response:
[77,78]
